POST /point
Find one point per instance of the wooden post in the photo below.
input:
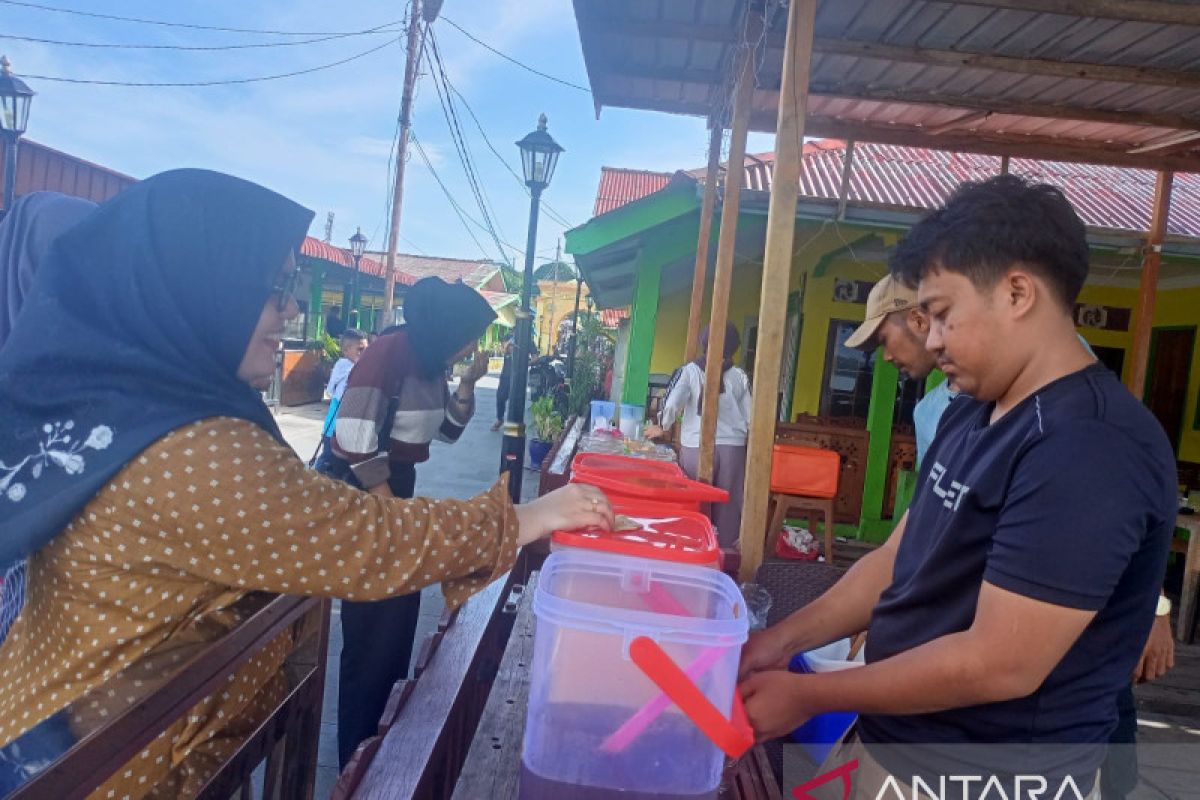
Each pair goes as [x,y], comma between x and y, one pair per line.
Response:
[735,176]
[1149,287]
[700,272]
[844,184]
[777,271]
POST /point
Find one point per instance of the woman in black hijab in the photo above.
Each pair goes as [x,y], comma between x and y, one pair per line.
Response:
[397,402]
[147,483]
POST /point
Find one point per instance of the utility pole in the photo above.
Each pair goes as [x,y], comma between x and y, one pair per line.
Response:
[416,36]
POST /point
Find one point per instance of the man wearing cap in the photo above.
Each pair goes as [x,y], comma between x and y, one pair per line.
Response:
[896,323]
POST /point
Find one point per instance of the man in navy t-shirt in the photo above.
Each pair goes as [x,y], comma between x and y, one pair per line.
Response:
[1010,606]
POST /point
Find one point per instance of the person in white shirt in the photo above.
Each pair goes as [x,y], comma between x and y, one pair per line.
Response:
[352,343]
[685,397]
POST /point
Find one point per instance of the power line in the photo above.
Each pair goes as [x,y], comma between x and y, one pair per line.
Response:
[226,82]
[164,23]
[550,211]
[462,215]
[509,58]
[250,46]
[442,86]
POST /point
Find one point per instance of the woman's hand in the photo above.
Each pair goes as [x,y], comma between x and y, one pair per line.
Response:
[654,432]
[576,505]
[478,368]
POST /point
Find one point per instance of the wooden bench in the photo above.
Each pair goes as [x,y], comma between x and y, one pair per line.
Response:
[287,739]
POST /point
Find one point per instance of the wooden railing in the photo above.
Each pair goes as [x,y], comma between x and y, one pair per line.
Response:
[287,739]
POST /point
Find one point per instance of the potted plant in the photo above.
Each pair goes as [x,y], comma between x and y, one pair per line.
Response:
[547,427]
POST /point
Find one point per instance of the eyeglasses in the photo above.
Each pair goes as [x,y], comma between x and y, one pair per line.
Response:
[285,289]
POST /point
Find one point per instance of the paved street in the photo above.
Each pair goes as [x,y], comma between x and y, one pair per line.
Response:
[463,469]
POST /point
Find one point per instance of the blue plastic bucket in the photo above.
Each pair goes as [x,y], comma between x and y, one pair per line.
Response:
[820,734]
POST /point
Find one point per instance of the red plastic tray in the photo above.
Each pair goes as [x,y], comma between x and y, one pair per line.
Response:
[667,534]
[653,488]
[608,464]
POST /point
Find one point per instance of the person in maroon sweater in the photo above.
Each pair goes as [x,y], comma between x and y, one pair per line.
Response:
[396,402]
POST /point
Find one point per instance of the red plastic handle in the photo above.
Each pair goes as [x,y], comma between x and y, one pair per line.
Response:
[734,737]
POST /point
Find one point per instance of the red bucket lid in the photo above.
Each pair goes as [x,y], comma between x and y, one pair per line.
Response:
[653,487]
[610,464]
[666,534]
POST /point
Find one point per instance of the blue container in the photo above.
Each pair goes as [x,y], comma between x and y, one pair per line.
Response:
[820,734]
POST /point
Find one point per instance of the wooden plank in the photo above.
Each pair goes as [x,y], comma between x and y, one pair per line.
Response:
[959,59]
[493,764]
[777,270]
[412,757]
[1148,291]
[700,271]
[735,177]
[1154,11]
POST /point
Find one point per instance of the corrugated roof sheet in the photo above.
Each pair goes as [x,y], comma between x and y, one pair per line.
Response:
[1119,198]
[612,317]
[619,186]
[471,271]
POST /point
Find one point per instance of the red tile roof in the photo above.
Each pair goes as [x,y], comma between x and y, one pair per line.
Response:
[611,317]
[471,271]
[918,178]
[619,186]
[327,252]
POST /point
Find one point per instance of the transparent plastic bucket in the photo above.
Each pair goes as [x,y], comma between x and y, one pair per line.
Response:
[585,687]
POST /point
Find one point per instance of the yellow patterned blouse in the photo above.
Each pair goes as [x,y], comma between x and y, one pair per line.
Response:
[154,562]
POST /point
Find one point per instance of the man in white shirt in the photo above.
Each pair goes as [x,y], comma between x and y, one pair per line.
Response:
[353,343]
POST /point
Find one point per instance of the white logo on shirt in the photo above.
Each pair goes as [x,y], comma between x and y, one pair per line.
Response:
[951,495]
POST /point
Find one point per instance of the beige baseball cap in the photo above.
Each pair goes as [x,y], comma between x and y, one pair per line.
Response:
[887,296]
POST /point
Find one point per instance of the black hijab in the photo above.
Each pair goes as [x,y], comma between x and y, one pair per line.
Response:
[154,298]
[441,319]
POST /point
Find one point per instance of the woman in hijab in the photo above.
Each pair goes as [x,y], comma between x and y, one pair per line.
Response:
[35,220]
[145,522]
[396,402]
[685,397]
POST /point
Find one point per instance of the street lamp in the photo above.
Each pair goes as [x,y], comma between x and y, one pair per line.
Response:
[15,99]
[539,155]
[358,246]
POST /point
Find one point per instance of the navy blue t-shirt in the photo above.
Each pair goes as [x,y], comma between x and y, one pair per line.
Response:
[1070,499]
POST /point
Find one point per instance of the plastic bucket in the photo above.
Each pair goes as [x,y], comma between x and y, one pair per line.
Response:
[593,611]
[821,733]
[602,414]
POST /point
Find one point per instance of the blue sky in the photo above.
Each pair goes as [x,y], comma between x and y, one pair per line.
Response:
[324,138]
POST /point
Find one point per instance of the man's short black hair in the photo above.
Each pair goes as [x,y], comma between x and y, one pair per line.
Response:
[986,227]
[355,334]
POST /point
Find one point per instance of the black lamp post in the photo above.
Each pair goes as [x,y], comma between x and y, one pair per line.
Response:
[15,99]
[539,155]
[358,246]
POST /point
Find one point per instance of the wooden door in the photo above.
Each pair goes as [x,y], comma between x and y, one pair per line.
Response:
[1167,379]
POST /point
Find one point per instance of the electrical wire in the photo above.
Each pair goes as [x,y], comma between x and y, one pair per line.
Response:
[385,28]
[462,215]
[225,82]
[144,21]
[441,85]
[509,58]
[550,211]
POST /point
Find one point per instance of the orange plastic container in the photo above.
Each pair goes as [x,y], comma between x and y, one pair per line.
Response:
[808,471]
[673,490]
[667,534]
[615,466]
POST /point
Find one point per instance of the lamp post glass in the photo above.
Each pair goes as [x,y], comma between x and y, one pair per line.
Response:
[539,156]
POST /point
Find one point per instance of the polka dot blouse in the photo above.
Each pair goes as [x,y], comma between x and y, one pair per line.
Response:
[156,559]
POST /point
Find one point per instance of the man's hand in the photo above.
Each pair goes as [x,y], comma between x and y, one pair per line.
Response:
[654,432]
[774,703]
[1159,653]
[765,650]
[478,368]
